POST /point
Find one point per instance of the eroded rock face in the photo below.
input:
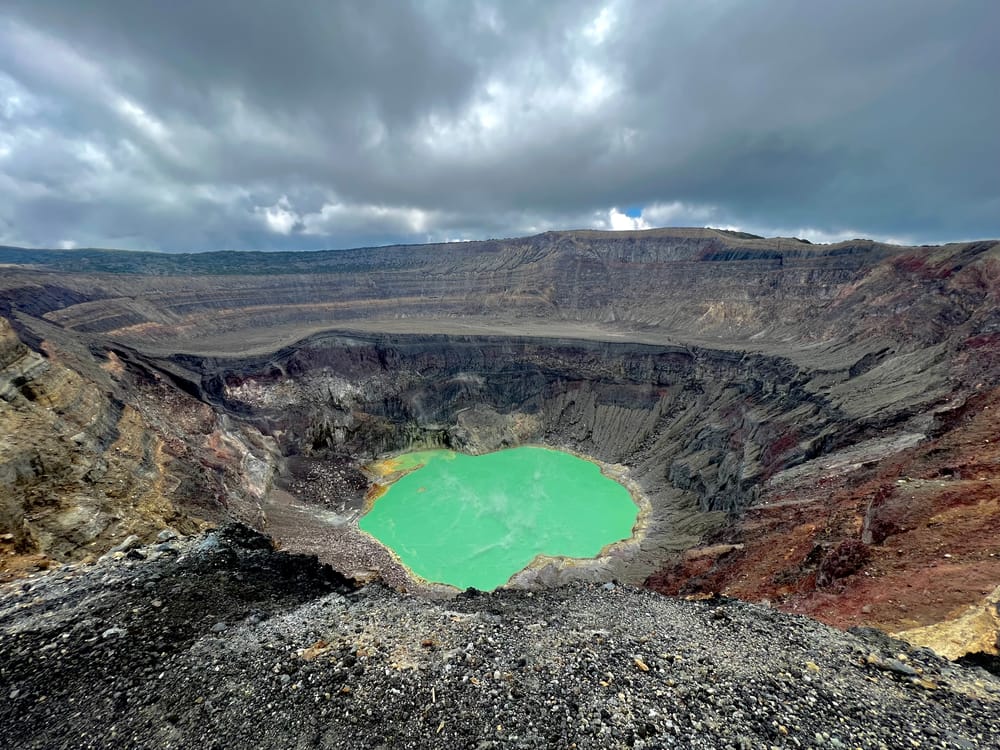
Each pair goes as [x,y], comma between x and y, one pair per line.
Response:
[91,453]
[776,401]
[696,427]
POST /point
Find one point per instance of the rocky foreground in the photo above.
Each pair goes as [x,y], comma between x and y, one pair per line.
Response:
[219,641]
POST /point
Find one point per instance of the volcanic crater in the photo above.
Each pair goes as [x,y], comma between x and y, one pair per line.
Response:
[810,425]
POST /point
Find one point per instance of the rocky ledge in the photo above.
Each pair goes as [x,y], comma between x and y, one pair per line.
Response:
[220,641]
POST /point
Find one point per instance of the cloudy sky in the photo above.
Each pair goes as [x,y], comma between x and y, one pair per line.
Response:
[239,124]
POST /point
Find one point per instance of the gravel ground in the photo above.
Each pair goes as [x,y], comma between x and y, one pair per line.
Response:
[219,642]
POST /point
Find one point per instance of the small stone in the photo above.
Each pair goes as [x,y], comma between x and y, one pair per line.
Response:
[166,535]
[643,667]
[608,586]
[812,666]
[315,650]
[130,543]
[892,665]
[156,603]
[218,627]
[113,632]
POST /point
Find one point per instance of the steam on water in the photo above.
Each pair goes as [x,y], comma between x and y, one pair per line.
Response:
[478,520]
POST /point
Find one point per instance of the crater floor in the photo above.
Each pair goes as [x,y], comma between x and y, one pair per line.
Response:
[477,521]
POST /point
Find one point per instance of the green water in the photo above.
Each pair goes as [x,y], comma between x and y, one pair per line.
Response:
[478,520]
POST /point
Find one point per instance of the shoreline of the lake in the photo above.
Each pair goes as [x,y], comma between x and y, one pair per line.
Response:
[607,486]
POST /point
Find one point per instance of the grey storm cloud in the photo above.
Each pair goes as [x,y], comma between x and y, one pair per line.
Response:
[266,125]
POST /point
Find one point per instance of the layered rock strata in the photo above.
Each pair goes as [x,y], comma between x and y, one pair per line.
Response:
[811,423]
[91,454]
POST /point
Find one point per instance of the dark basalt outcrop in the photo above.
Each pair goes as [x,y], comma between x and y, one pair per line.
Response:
[775,401]
[217,641]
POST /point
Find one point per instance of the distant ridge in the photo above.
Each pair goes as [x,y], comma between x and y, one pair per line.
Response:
[253,262]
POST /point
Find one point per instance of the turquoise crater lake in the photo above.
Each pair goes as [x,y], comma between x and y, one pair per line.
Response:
[477,520]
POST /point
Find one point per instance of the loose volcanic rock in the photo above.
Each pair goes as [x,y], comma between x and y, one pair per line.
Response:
[305,659]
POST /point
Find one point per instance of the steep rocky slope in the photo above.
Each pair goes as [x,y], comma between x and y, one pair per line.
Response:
[810,424]
[91,453]
[698,429]
[219,642]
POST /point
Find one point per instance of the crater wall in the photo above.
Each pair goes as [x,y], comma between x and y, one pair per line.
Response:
[781,404]
[699,430]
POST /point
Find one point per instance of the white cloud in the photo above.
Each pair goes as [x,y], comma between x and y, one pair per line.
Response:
[677,213]
[51,60]
[486,17]
[148,125]
[674,213]
[818,236]
[279,218]
[514,109]
[619,221]
[246,124]
[15,100]
[597,30]
[594,86]
[93,156]
[336,216]
[680,214]
[822,236]
[10,106]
